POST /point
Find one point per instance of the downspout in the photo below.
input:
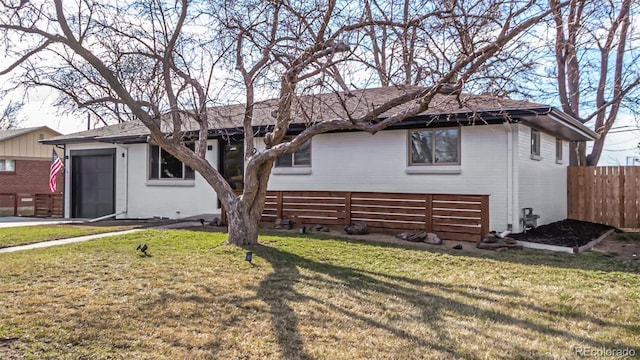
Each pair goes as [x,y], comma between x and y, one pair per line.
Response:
[509,174]
[126,179]
[106,217]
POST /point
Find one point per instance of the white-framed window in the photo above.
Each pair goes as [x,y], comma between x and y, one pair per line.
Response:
[558,150]
[163,165]
[434,147]
[535,142]
[7,165]
[300,158]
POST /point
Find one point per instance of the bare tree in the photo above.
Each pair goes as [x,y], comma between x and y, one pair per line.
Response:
[598,73]
[426,47]
[9,115]
[156,62]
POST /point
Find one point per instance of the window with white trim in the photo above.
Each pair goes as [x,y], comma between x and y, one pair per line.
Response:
[163,165]
[300,158]
[558,150]
[7,165]
[434,147]
[535,142]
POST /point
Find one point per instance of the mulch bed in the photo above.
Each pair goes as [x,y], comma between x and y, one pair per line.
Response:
[567,232]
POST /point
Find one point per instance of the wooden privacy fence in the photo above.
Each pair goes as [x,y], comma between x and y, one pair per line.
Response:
[49,205]
[17,204]
[604,194]
[452,217]
[8,204]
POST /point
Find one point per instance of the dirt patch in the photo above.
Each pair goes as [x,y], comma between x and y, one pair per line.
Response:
[621,246]
[567,233]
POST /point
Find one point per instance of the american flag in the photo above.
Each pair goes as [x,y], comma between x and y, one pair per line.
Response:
[56,167]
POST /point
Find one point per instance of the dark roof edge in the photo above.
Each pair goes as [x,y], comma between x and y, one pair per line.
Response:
[462,118]
[130,139]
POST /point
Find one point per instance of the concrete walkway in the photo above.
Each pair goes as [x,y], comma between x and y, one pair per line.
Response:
[44,244]
[15,221]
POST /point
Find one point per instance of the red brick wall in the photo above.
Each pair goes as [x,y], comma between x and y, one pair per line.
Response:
[31,176]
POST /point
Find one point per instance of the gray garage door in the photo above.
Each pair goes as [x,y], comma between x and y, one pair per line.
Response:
[92,183]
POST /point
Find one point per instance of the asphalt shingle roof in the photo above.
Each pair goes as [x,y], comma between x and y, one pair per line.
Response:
[310,109]
[12,133]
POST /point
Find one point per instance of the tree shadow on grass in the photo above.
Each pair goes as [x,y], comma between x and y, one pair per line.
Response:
[278,291]
[585,261]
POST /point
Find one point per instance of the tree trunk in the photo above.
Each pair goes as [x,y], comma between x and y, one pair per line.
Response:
[244,213]
[578,153]
[242,225]
[596,151]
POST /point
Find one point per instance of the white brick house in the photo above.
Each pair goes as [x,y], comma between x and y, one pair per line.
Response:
[514,151]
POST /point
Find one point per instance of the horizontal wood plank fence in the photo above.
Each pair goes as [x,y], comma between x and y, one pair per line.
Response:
[451,217]
[8,205]
[604,194]
[17,204]
[49,205]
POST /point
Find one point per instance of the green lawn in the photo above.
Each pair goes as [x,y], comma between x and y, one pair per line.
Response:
[22,235]
[306,298]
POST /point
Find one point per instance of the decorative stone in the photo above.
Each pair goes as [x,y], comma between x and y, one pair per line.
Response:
[510,241]
[432,238]
[404,235]
[321,228]
[283,224]
[359,228]
[490,238]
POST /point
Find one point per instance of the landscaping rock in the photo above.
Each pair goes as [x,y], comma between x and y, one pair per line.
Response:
[510,241]
[404,235]
[458,247]
[216,222]
[420,236]
[321,228]
[433,239]
[283,224]
[359,228]
[490,238]
[413,237]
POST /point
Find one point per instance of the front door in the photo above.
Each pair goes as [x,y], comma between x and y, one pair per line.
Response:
[232,163]
[92,183]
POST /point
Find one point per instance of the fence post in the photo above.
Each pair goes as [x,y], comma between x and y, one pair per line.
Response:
[484,214]
[279,205]
[347,207]
[622,199]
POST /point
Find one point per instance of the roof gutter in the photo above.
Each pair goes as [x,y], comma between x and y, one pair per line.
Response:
[578,126]
[435,120]
[111,140]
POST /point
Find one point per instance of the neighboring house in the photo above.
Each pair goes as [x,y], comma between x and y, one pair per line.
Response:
[24,169]
[514,151]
